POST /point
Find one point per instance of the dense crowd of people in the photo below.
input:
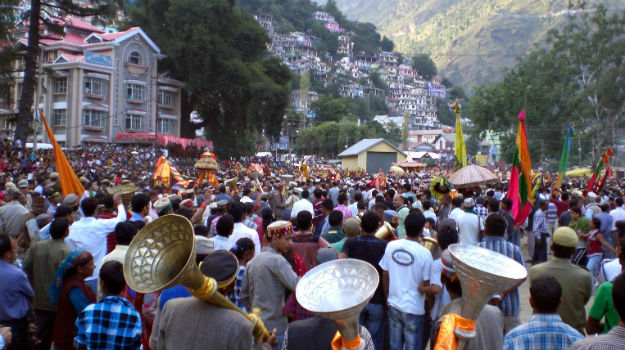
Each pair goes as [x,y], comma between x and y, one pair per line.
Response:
[62,281]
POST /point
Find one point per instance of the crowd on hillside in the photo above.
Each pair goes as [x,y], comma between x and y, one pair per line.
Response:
[62,281]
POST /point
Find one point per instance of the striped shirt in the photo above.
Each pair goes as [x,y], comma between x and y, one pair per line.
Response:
[234,295]
[509,304]
[543,331]
[540,223]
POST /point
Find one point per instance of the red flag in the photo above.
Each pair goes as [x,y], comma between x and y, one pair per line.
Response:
[520,185]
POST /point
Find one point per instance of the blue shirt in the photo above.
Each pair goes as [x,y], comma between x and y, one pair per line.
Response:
[510,303]
[234,296]
[136,217]
[543,331]
[172,293]
[16,294]
[606,223]
[113,323]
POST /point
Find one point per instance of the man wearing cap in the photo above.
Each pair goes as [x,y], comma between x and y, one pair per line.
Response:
[577,281]
[13,213]
[469,224]
[71,200]
[191,323]
[163,206]
[268,276]
[24,188]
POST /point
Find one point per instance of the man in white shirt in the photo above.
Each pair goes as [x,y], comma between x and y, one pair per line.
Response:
[406,264]
[90,233]
[303,204]
[469,224]
[224,228]
[240,230]
[456,212]
[617,214]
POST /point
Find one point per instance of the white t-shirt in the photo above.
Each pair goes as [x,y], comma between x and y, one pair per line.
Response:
[456,214]
[242,231]
[408,264]
[442,298]
[617,214]
[468,228]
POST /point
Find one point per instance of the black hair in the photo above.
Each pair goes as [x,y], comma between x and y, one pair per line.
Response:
[370,222]
[305,194]
[357,196]
[560,251]
[507,202]
[407,187]
[618,295]
[62,211]
[342,198]
[620,227]
[379,206]
[327,204]
[225,224]
[452,286]
[430,221]
[89,206]
[335,218]
[456,202]
[565,196]
[248,208]
[242,246]
[236,210]
[107,201]
[268,218]
[596,221]
[304,220]
[414,223]
[112,276]
[493,204]
[175,203]
[5,243]
[446,236]
[619,201]
[200,230]
[221,188]
[138,224]
[361,205]
[546,294]
[573,204]
[426,205]
[58,228]
[318,193]
[186,212]
[125,231]
[495,225]
[490,193]
[605,207]
[139,201]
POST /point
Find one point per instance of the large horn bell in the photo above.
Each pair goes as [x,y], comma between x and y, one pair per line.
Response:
[386,232]
[162,255]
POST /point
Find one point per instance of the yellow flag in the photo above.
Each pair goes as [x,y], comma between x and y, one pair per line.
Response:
[69,180]
[460,149]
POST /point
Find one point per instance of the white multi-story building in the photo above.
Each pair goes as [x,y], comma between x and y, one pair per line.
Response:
[99,87]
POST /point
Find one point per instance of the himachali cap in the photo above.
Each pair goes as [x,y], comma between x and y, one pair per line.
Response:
[13,192]
[162,206]
[222,204]
[351,226]
[54,175]
[83,180]
[448,266]
[279,229]
[469,203]
[9,184]
[187,203]
[565,236]
[221,265]
[22,183]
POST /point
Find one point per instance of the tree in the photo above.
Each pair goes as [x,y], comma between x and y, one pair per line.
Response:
[8,54]
[218,50]
[424,64]
[44,12]
[576,76]
[387,44]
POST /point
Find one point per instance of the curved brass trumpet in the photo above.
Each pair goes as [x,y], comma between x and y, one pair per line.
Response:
[162,255]
[386,232]
[430,243]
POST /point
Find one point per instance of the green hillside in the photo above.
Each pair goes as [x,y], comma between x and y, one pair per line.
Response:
[470,40]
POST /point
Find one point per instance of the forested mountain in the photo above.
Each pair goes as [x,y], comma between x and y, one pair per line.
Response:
[470,40]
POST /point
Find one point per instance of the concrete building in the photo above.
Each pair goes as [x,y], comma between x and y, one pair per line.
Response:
[97,86]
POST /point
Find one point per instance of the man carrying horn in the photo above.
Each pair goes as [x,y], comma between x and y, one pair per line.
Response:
[191,323]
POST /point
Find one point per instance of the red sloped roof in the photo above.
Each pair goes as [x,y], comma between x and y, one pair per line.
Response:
[113,36]
[80,24]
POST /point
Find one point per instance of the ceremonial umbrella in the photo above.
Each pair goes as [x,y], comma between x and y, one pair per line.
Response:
[579,172]
[472,175]
[397,170]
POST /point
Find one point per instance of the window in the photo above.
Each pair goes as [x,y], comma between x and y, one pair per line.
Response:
[93,118]
[165,98]
[135,58]
[136,92]
[60,86]
[59,117]
[135,122]
[94,86]
[165,126]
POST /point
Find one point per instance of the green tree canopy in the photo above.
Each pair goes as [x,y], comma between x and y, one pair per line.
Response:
[424,64]
[219,52]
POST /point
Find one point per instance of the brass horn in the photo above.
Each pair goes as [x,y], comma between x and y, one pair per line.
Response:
[430,243]
[386,232]
[232,183]
[162,255]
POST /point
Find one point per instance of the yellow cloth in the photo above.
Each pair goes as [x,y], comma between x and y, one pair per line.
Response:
[460,149]
[68,179]
[446,337]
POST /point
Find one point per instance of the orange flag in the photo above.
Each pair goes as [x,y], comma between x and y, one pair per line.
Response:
[69,180]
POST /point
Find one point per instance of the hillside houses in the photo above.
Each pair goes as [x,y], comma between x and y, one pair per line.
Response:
[407,91]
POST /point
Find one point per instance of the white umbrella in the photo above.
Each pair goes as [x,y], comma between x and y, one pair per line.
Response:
[472,175]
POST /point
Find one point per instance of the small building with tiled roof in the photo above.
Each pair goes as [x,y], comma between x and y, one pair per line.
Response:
[97,85]
[371,155]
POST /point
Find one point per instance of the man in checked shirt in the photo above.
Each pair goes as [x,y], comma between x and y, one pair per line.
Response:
[541,232]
